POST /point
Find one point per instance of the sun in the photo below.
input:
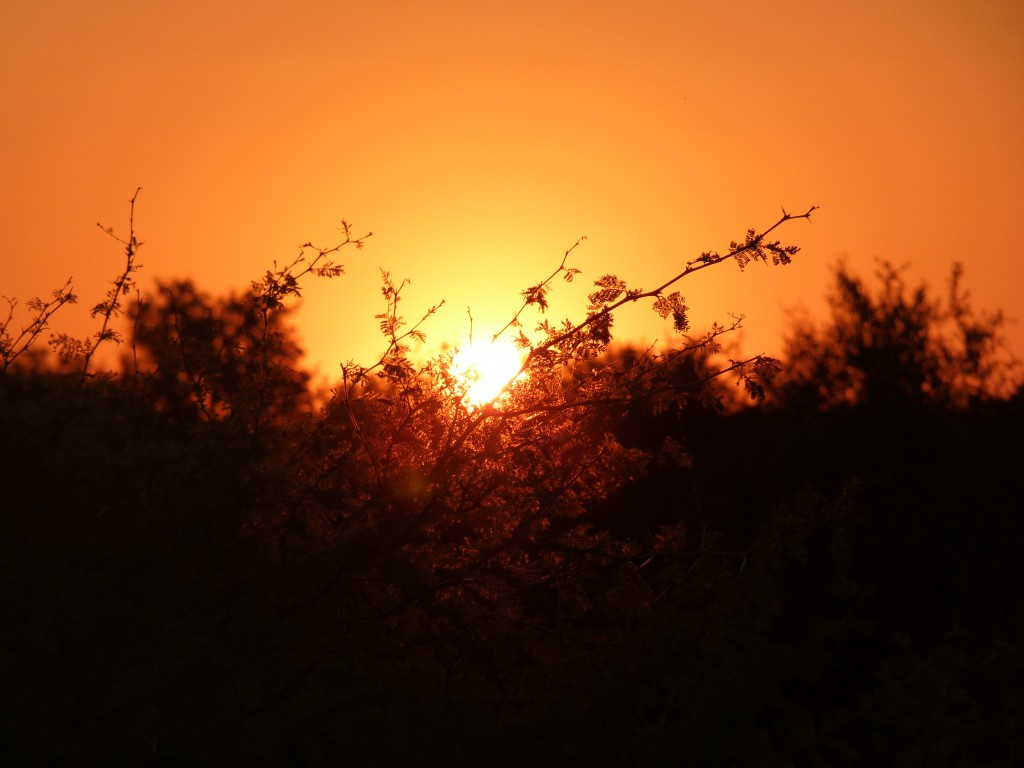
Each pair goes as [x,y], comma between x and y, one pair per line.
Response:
[486,367]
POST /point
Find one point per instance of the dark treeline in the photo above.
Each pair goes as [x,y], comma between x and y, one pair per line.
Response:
[201,568]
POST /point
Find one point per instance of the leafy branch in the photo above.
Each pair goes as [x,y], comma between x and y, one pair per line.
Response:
[69,347]
[280,283]
[13,347]
[571,344]
[537,294]
[614,294]
[395,367]
[593,333]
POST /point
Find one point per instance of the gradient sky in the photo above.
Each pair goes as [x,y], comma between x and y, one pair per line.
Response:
[478,140]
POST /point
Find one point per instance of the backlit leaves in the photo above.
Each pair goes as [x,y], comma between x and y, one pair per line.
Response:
[601,329]
[609,288]
[536,294]
[11,346]
[756,248]
[674,305]
[757,374]
[402,521]
[569,273]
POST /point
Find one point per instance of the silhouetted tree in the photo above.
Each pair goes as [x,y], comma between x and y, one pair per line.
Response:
[896,347]
[600,565]
[224,360]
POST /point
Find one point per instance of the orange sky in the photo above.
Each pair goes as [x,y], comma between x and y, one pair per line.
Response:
[478,140]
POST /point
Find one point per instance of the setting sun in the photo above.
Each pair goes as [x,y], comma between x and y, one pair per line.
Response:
[486,367]
[402,382]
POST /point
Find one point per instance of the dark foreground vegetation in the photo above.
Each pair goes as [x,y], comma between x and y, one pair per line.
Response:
[613,564]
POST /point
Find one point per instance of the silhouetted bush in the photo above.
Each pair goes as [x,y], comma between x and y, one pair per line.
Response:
[897,348]
[201,566]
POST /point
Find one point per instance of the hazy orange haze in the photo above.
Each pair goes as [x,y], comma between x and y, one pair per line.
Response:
[478,140]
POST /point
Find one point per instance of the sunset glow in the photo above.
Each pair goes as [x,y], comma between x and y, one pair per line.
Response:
[479,142]
[486,367]
[559,382]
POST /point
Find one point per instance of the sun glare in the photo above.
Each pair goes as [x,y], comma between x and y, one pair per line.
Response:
[486,367]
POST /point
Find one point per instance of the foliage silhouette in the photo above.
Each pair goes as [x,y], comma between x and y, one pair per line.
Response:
[897,348]
[599,565]
[12,347]
[217,361]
